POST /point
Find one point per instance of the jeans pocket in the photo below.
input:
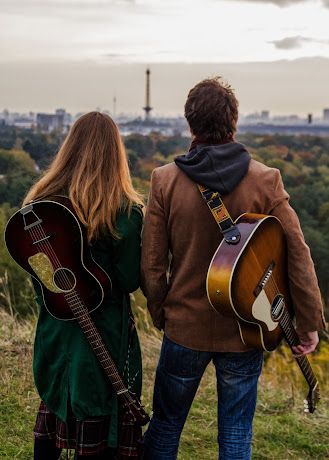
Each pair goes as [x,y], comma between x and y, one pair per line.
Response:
[178,360]
[247,363]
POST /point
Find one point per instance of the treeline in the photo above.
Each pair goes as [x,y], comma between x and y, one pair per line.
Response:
[302,160]
[40,146]
[304,165]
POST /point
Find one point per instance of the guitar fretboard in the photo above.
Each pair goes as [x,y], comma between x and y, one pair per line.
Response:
[293,340]
[95,340]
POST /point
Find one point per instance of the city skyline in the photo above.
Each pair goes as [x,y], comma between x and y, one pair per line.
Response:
[284,88]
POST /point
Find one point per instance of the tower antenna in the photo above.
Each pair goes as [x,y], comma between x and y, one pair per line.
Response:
[147,107]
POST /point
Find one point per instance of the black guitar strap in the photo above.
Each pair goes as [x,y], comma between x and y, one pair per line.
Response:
[221,215]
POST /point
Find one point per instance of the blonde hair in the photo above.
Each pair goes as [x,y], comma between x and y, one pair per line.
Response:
[91,168]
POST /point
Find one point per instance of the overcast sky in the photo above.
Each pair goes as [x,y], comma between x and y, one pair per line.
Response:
[80,53]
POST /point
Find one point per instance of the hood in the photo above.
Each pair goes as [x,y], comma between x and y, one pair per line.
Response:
[217,167]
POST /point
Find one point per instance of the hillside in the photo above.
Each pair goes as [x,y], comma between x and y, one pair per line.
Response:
[281,429]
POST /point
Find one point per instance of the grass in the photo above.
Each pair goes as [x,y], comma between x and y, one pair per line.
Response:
[18,395]
[282,431]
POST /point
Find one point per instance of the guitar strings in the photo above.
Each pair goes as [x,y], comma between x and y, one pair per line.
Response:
[291,334]
[48,250]
[38,234]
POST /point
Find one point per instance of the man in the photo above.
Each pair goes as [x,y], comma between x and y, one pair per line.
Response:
[178,222]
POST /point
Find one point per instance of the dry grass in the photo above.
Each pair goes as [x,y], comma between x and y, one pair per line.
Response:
[281,429]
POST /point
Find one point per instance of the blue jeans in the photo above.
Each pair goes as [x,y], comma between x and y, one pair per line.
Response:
[177,379]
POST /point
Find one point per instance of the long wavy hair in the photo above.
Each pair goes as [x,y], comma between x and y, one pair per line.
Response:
[91,167]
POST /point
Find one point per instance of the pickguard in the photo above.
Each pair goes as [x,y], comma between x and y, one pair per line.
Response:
[43,268]
[261,310]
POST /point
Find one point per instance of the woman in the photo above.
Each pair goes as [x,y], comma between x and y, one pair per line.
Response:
[79,408]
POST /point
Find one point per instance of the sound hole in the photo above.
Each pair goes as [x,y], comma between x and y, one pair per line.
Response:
[64,279]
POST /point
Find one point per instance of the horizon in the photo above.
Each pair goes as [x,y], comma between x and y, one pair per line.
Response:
[284,88]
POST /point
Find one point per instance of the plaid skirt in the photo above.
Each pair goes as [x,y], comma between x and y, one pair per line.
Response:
[89,436]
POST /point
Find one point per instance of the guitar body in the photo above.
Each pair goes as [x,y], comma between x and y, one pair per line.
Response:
[244,280]
[46,239]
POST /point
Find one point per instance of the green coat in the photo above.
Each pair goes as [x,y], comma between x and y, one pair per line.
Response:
[65,365]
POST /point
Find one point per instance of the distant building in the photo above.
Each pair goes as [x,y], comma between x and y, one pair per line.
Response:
[60,112]
[326,114]
[265,115]
[49,122]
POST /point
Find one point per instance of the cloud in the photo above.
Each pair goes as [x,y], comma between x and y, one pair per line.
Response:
[326,3]
[73,10]
[290,43]
[281,3]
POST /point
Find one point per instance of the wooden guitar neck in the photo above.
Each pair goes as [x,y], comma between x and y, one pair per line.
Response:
[128,399]
[292,339]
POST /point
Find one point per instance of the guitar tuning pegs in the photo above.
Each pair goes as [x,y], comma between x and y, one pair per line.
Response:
[306,410]
[305,401]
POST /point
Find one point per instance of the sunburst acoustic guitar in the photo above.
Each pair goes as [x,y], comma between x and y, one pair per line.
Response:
[249,282]
[47,240]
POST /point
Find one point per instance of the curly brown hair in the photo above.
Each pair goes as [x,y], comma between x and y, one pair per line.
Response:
[211,110]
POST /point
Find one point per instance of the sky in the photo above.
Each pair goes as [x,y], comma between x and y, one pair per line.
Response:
[80,54]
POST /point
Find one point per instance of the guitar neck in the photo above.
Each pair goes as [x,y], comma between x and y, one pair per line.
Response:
[127,398]
[95,340]
[293,340]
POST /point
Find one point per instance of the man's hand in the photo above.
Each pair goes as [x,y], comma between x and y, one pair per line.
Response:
[308,342]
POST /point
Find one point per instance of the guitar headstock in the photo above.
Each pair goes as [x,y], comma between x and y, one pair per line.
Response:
[134,408]
[313,397]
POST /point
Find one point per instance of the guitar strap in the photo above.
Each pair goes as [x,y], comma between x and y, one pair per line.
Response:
[131,325]
[221,215]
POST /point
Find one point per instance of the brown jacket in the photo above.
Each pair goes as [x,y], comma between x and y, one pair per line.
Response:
[179,222]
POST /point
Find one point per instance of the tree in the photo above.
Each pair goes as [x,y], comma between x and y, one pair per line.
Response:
[16,293]
[18,172]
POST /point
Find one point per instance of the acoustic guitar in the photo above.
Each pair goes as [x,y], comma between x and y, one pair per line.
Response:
[47,240]
[248,281]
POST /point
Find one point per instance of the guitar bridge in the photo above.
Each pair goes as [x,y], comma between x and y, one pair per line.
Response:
[43,239]
[264,279]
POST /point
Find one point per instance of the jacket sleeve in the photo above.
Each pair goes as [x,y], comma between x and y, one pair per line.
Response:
[127,250]
[155,261]
[303,282]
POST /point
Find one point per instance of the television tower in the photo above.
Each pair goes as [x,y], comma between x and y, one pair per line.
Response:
[147,107]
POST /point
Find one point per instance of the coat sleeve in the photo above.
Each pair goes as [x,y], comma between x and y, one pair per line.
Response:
[127,250]
[155,261]
[303,282]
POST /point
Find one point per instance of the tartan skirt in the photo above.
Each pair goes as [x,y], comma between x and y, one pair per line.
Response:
[89,436]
